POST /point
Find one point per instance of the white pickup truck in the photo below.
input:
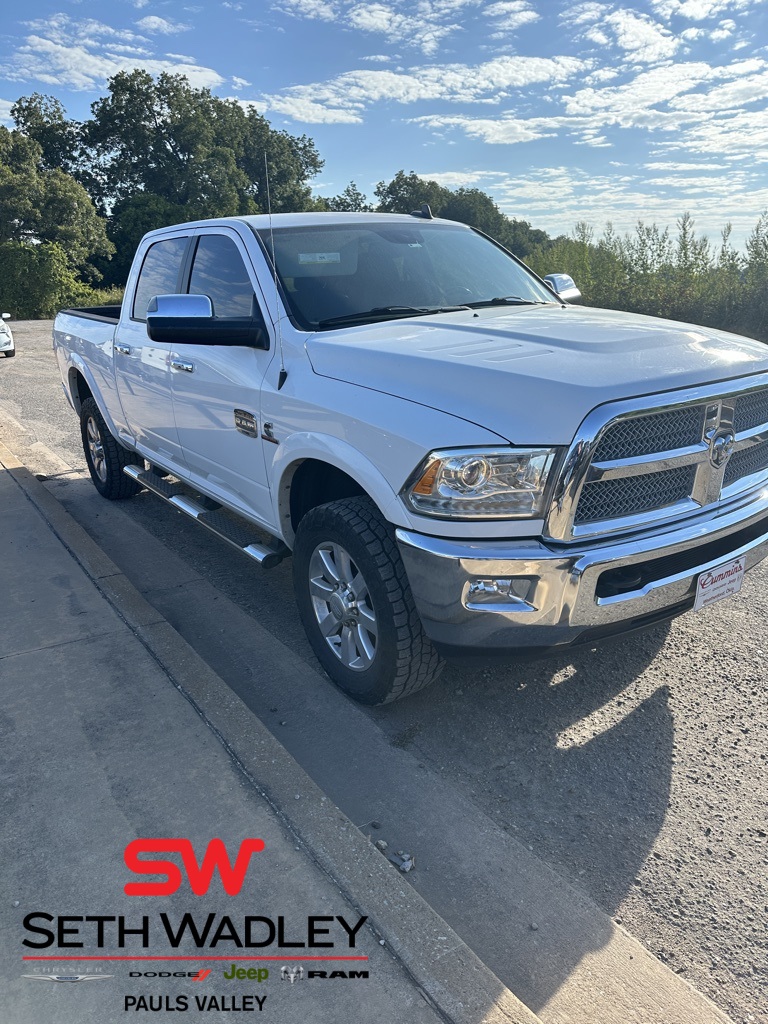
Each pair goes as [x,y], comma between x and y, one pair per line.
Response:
[454,454]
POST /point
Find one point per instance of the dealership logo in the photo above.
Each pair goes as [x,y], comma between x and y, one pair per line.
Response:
[297,973]
[249,973]
[194,975]
[199,875]
[67,977]
[291,974]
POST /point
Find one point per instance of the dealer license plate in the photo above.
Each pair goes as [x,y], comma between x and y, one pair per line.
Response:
[723,581]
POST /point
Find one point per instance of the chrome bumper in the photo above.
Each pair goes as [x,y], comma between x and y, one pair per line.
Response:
[528,594]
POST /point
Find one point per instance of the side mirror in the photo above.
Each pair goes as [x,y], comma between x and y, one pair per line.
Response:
[565,287]
[6,316]
[189,320]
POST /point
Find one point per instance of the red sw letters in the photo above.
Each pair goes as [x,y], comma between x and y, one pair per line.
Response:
[200,876]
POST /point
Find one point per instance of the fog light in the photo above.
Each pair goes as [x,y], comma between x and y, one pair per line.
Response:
[501,593]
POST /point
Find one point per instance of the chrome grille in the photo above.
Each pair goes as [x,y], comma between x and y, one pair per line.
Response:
[639,462]
[750,411]
[659,432]
[631,495]
[745,463]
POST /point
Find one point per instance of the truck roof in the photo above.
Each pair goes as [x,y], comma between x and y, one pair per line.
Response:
[261,221]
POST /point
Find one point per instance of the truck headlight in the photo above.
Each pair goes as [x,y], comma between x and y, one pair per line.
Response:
[497,484]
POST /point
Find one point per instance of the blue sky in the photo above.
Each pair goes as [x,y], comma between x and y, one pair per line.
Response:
[561,111]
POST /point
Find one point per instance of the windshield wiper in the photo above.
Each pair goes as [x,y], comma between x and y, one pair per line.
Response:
[387,313]
[507,300]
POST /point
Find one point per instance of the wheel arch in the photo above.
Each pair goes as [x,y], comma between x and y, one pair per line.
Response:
[311,470]
[79,388]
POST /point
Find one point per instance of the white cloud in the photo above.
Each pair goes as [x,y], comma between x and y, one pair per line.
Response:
[699,10]
[510,15]
[377,58]
[746,89]
[83,54]
[423,25]
[239,83]
[501,131]
[621,198]
[460,179]
[677,166]
[727,28]
[639,36]
[166,28]
[345,97]
[5,111]
[317,9]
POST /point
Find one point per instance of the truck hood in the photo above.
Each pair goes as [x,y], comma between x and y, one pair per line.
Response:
[531,374]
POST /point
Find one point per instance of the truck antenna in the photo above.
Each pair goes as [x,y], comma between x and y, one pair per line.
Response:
[282,376]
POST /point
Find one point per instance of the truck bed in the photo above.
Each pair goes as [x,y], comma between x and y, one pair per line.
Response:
[110,314]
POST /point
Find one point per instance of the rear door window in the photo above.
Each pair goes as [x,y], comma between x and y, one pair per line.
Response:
[159,273]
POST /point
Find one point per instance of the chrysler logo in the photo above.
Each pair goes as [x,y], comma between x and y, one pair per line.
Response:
[720,447]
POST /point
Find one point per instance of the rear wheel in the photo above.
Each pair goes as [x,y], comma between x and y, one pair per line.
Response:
[105,456]
[356,604]
[10,352]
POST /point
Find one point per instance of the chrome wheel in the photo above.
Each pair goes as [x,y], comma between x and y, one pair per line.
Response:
[96,449]
[342,606]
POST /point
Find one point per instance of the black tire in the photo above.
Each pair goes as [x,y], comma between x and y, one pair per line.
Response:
[10,353]
[105,456]
[371,641]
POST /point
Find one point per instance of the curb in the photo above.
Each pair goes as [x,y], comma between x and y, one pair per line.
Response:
[451,977]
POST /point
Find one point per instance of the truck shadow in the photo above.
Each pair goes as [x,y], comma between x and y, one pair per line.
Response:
[571,755]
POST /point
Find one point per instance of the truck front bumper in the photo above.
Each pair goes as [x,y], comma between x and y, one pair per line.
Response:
[523,594]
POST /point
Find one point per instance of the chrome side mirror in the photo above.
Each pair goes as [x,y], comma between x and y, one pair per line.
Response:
[189,320]
[565,287]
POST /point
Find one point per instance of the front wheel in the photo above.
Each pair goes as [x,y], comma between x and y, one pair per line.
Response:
[105,456]
[10,352]
[356,604]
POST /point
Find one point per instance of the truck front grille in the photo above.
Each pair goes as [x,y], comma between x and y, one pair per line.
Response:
[643,435]
[644,465]
[632,495]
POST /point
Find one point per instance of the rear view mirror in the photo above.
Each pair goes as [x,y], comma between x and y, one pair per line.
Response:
[190,320]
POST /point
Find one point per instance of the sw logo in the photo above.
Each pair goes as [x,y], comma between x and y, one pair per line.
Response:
[199,876]
[293,974]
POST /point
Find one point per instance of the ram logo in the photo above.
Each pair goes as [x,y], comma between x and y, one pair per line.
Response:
[291,974]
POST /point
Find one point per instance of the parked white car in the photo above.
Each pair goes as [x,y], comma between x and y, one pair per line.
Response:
[7,346]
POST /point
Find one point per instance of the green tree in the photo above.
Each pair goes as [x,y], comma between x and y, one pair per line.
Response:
[41,205]
[43,119]
[37,280]
[755,295]
[408,192]
[193,149]
[351,200]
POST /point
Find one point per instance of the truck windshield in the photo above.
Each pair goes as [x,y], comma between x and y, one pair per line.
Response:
[359,273]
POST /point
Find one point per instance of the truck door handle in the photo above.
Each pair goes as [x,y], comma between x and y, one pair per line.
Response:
[181,364]
[124,350]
